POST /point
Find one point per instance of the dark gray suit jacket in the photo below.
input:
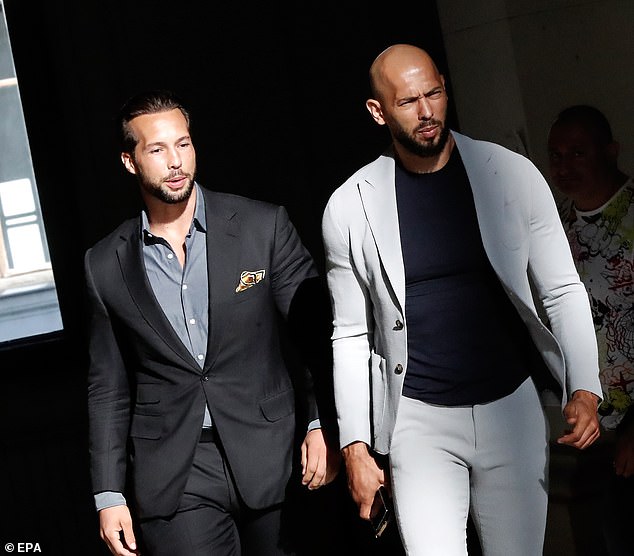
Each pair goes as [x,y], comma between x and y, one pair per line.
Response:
[147,394]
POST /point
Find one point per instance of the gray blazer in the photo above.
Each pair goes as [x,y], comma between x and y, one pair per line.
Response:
[526,246]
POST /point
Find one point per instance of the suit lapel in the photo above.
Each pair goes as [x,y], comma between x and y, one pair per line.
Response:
[130,258]
[223,257]
[489,196]
[378,195]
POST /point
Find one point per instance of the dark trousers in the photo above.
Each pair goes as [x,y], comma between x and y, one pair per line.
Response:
[212,520]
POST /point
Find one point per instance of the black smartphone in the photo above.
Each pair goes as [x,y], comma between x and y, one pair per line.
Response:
[381,513]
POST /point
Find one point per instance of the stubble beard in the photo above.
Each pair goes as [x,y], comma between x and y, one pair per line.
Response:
[423,149]
[162,192]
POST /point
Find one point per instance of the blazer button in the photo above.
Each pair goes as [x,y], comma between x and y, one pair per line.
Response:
[398,325]
[399,369]
[205,378]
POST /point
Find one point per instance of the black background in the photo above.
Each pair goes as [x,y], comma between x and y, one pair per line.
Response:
[277,100]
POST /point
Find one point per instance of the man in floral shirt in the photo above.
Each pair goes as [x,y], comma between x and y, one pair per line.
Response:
[597,211]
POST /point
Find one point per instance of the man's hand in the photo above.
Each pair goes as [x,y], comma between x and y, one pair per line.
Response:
[115,525]
[581,414]
[320,461]
[364,476]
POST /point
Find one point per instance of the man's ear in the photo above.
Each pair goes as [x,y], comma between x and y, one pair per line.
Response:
[128,162]
[374,107]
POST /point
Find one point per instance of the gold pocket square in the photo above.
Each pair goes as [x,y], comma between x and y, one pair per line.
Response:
[249,278]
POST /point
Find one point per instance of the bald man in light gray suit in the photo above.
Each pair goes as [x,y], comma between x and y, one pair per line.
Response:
[432,253]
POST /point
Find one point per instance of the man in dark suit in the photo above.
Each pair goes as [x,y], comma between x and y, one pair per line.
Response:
[191,402]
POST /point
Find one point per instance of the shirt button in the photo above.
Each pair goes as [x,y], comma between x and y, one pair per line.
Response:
[170,255]
[398,369]
[398,325]
[200,357]
[192,321]
[184,286]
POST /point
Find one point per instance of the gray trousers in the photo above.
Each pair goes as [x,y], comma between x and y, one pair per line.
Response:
[490,460]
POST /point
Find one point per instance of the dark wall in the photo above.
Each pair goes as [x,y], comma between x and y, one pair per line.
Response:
[277,98]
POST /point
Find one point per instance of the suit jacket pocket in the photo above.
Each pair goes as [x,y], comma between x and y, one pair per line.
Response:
[147,399]
[146,426]
[252,292]
[278,406]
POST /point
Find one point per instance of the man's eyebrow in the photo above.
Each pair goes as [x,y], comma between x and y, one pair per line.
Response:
[163,143]
[438,88]
[155,144]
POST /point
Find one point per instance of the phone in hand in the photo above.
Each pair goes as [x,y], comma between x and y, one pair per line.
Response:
[381,513]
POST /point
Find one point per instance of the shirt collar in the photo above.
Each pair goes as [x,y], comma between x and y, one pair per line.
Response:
[200,218]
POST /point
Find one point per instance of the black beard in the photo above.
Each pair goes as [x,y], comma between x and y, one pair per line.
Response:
[167,196]
[422,149]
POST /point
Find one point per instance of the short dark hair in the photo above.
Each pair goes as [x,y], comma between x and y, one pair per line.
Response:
[146,102]
[591,118]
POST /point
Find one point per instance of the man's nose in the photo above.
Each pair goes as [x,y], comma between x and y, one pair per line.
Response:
[566,164]
[425,111]
[174,159]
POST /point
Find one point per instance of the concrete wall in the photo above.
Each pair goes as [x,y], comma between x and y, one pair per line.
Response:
[515,63]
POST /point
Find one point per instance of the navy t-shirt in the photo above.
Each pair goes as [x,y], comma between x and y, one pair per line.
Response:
[466,342]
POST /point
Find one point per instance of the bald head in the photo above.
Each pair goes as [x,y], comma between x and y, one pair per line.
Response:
[396,63]
[409,97]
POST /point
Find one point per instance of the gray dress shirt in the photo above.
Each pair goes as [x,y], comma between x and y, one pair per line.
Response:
[182,293]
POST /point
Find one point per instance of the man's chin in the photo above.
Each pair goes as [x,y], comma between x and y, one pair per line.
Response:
[174,197]
[433,146]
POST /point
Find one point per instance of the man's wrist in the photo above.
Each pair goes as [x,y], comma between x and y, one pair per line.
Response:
[355,450]
[586,395]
